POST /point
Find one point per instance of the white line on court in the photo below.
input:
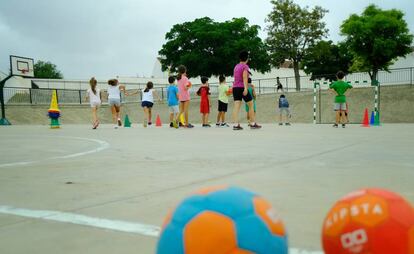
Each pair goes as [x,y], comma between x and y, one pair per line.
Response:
[73,218]
[102,146]
[116,225]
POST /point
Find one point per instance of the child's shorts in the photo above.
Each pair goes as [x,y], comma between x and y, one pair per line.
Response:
[284,111]
[114,102]
[340,106]
[222,107]
[174,109]
[147,104]
[95,104]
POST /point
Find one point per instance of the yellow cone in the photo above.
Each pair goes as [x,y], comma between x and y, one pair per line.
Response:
[182,120]
[53,104]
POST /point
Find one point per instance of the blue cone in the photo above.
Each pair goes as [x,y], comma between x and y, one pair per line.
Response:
[372,121]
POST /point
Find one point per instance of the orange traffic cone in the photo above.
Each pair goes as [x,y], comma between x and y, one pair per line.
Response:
[158,121]
[365,121]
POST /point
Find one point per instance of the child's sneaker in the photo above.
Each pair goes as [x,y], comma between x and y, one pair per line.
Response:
[116,127]
[145,124]
[224,125]
[119,122]
[217,124]
[149,123]
[287,124]
[335,125]
[255,126]
[180,124]
[190,126]
[206,125]
[171,125]
[343,126]
[237,128]
[175,124]
[280,124]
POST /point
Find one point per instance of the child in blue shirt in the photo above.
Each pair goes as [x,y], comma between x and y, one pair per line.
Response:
[284,110]
[172,100]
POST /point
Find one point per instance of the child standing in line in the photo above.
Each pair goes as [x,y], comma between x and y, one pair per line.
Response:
[340,87]
[284,110]
[172,99]
[93,94]
[223,101]
[114,100]
[204,93]
[184,94]
[252,92]
[148,102]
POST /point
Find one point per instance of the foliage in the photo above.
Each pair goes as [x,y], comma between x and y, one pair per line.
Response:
[291,31]
[376,38]
[324,59]
[209,48]
[46,70]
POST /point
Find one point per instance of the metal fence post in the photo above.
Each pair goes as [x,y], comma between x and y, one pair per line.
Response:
[80,97]
[287,85]
[260,88]
[162,93]
[411,76]
[30,96]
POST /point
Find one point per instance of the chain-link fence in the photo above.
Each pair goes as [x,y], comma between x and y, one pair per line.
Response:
[74,92]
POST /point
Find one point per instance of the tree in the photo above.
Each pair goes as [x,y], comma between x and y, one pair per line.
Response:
[46,70]
[291,31]
[209,48]
[376,38]
[325,59]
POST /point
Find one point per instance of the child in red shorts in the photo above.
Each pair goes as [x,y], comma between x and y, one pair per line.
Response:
[204,93]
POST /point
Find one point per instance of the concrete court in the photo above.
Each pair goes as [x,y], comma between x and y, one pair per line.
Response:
[137,175]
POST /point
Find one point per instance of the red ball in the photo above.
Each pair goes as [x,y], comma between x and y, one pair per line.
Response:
[369,221]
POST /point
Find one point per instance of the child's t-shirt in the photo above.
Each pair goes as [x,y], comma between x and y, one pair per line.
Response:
[283,103]
[183,94]
[340,87]
[94,98]
[204,92]
[223,89]
[172,96]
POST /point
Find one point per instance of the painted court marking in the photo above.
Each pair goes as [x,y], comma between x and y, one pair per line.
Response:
[116,225]
[102,146]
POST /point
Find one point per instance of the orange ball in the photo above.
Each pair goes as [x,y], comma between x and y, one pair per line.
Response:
[230,91]
[369,221]
[189,84]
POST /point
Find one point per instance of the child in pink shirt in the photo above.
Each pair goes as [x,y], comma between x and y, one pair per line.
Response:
[184,94]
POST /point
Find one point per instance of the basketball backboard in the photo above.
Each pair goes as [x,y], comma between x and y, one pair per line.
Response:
[22,66]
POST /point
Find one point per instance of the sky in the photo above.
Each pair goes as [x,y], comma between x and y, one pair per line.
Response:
[109,38]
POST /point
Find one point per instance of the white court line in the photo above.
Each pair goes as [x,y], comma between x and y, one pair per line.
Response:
[73,218]
[116,225]
[102,146]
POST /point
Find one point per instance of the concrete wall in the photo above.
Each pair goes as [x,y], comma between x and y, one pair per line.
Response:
[397,106]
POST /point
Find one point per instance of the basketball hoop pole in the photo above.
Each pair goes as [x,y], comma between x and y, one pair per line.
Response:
[3,120]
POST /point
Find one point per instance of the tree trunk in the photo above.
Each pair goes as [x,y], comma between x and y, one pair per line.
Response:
[297,76]
[374,77]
